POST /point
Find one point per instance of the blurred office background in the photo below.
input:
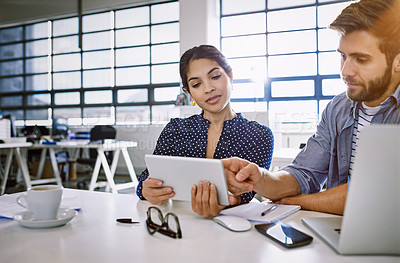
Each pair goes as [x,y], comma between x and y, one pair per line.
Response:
[116,63]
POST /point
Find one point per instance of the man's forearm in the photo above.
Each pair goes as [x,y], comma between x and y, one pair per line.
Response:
[330,201]
[277,185]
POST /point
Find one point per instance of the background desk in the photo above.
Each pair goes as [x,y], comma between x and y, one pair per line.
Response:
[94,236]
[15,149]
[101,161]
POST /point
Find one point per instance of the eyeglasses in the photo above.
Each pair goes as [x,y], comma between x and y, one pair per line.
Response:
[168,225]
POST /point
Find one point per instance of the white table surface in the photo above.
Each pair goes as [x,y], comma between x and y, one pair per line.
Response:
[94,236]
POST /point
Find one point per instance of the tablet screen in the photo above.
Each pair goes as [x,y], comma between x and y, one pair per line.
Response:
[181,173]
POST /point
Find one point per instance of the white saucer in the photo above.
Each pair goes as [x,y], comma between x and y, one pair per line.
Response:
[63,216]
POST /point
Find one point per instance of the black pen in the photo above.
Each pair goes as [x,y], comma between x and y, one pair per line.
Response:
[127,221]
[270,209]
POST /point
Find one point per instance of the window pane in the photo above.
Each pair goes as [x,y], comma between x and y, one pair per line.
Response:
[37,48]
[165,53]
[162,114]
[11,68]
[292,42]
[67,98]
[244,24]
[101,59]
[251,107]
[11,101]
[38,100]
[133,115]
[327,40]
[35,31]
[37,65]
[132,56]
[332,87]
[292,65]
[288,3]
[299,18]
[96,22]
[11,84]
[165,12]
[67,113]
[37,82]
[249,68]
[97,78]
[237,6]
[244,46]
[132,76]
[248,90]
[132,95]
[67,80]
[165,33]
[132,37]
[328,13]
[65,26]
[165,73]
[166,94]
[132,17]
[292,88]
[98,115]
[11,51]
[18,114]
[11,34]
[65,44]
[37,114]
[329,63]
[100,96]
[96,41]
[67,62]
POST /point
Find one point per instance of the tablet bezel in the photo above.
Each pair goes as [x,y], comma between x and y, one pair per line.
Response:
[181,173]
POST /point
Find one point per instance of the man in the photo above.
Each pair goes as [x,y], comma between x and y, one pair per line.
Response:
[370,67]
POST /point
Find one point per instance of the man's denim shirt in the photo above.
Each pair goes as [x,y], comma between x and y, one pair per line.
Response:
[327,153]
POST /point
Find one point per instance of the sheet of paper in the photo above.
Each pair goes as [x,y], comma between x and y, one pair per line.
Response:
[252,211]
[9,206]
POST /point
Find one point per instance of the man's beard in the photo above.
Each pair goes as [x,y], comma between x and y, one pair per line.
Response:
[372,90]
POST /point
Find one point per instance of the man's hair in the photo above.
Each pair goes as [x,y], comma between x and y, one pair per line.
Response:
[379,17]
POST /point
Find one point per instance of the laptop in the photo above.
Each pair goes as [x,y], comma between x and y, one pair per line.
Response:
[371,220]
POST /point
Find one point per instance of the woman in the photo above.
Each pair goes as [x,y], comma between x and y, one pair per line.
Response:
[218,132]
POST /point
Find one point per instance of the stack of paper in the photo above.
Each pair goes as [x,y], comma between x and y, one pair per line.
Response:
[252,211]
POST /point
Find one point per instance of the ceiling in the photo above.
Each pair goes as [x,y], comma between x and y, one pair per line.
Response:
[20,11]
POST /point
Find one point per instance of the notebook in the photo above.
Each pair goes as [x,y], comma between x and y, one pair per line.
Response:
[371,220]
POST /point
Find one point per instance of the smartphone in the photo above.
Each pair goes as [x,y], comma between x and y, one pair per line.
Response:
[284,234]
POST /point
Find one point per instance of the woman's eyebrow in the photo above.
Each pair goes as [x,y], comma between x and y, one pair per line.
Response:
[209,72]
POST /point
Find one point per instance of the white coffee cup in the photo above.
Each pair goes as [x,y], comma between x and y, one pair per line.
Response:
[43,201]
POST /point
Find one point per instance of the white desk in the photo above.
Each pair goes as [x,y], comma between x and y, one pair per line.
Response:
[118,147]
[94,236]
[15,149]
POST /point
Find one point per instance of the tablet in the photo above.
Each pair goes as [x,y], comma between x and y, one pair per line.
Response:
[181,173]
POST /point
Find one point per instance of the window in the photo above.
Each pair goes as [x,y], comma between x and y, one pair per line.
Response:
[127,67]
[283,57]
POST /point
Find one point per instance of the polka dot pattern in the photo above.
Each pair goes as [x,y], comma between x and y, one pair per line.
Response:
[240,137]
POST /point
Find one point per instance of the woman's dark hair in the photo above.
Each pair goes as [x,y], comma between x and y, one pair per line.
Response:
[202,51]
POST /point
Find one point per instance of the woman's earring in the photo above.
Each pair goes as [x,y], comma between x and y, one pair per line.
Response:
[193,103]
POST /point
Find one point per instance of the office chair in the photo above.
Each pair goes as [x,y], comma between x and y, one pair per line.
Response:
[98,133]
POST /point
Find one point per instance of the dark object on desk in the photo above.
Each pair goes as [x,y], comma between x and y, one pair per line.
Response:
[97,133]
[59,128]
[1,141]
[127,221]
[284,235]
